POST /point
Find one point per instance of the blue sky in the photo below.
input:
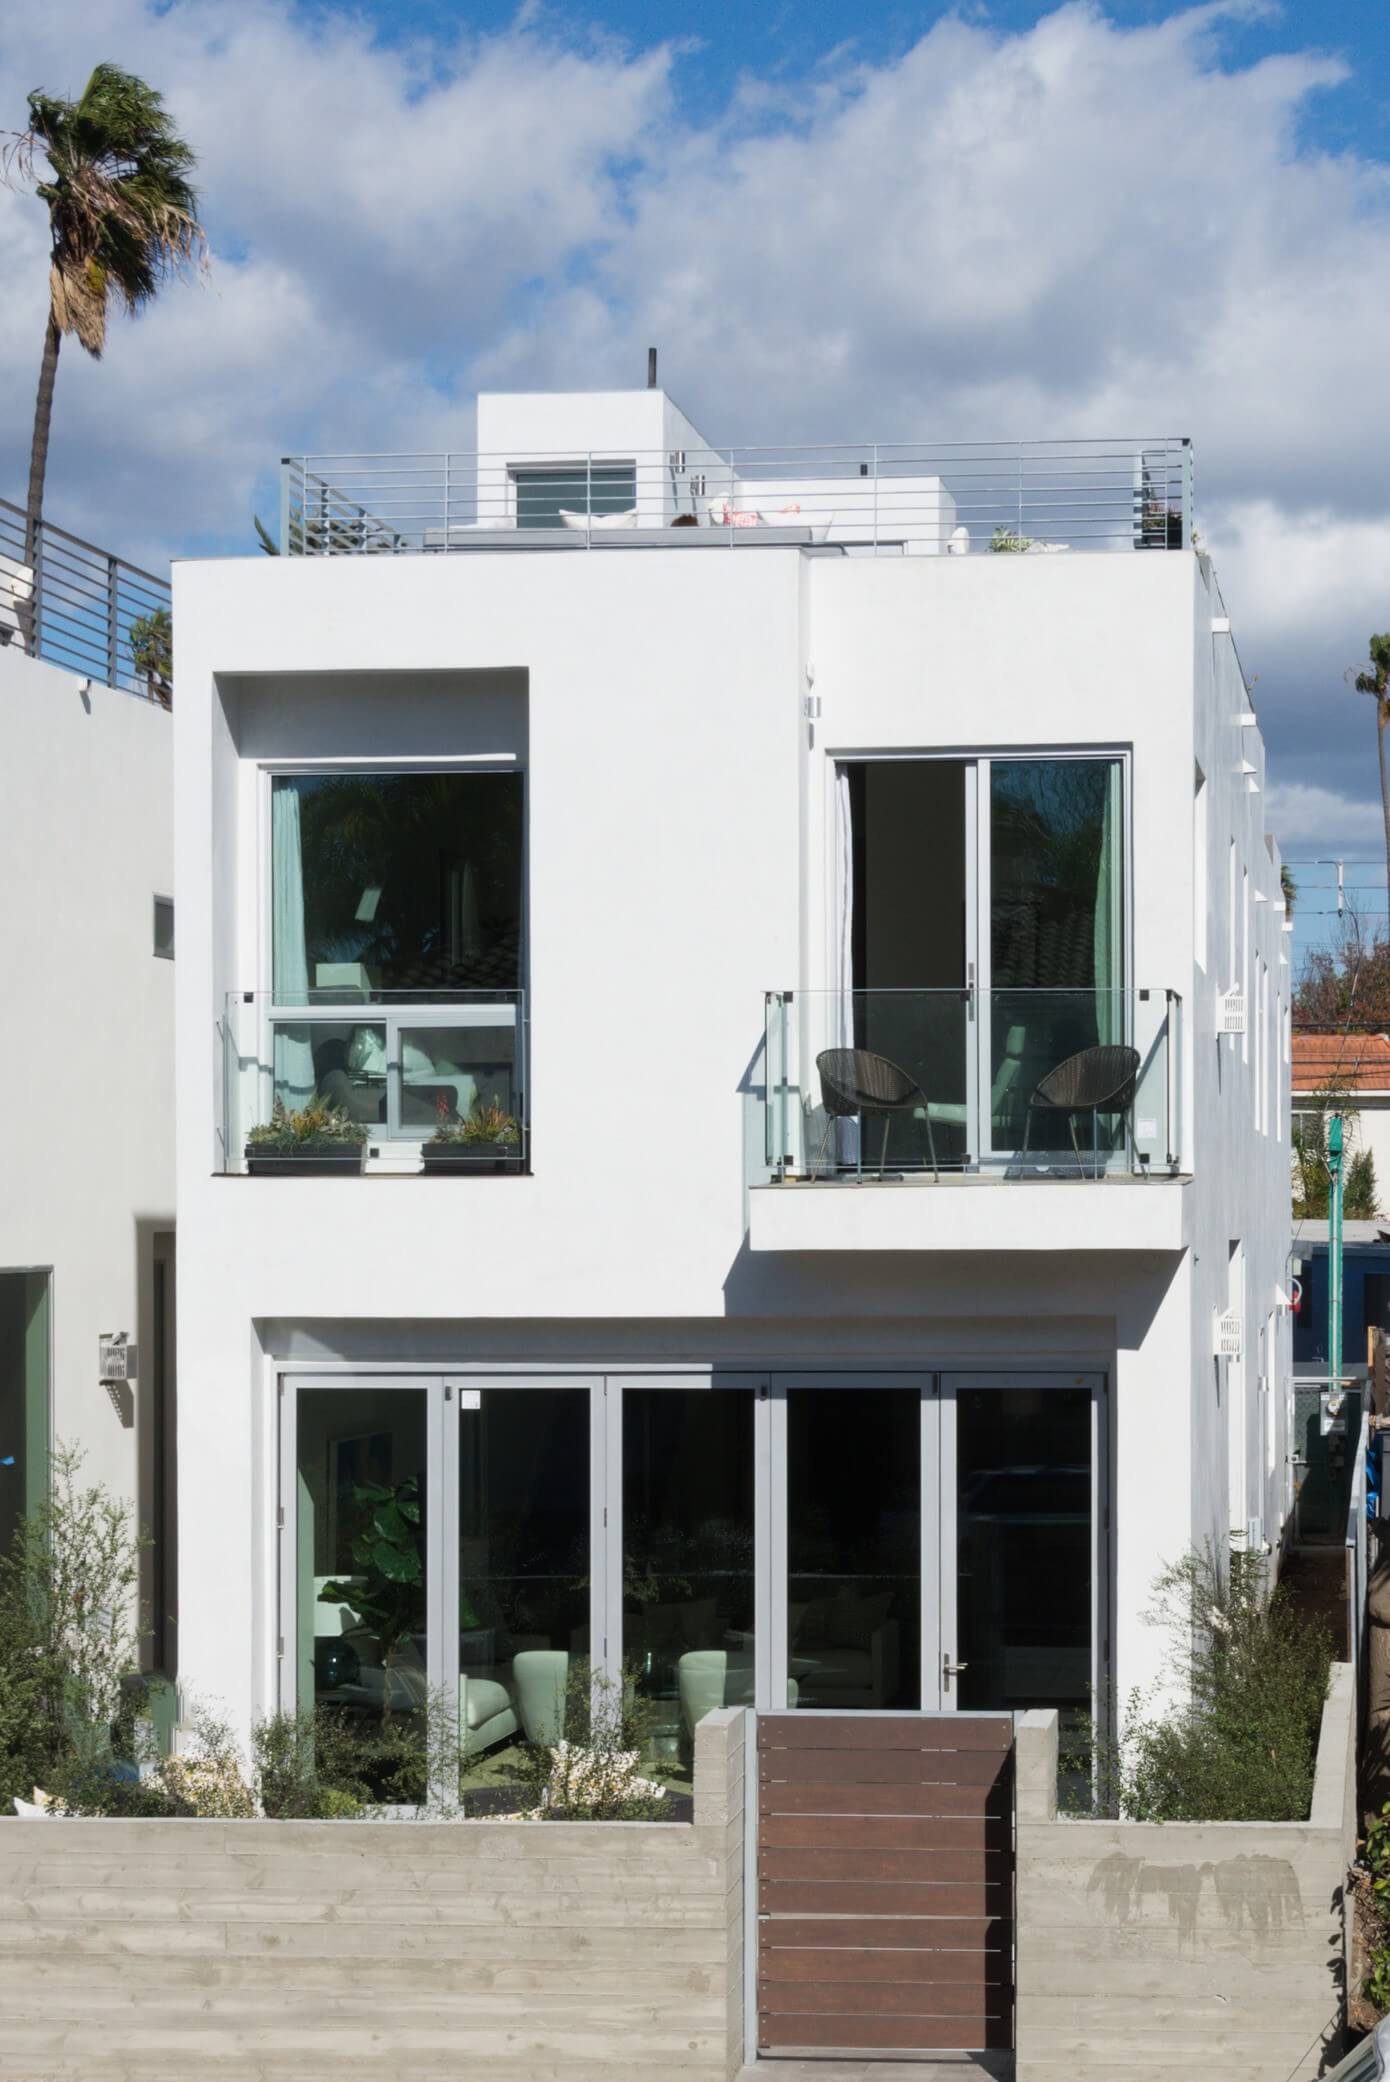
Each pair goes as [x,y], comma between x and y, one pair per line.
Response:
[836,222]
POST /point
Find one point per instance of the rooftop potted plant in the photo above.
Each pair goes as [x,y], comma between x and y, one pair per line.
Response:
[317,1140]
[486,1139]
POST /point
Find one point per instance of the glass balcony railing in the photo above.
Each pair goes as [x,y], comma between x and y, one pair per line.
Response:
[353,1078]
[927,1084]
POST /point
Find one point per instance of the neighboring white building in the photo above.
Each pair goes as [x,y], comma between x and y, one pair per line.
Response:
[87,1205]
[617,845]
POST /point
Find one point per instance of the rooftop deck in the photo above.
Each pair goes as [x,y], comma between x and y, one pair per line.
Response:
[1015,498]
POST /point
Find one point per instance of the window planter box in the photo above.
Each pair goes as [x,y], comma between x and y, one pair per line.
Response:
[450,1159]
[310,1160]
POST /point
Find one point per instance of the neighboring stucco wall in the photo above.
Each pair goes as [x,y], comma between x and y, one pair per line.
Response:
[600,1952]
[1150,1951]
[86,843]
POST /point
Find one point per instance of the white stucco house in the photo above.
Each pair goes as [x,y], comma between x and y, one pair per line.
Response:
[858,954]
[87,935]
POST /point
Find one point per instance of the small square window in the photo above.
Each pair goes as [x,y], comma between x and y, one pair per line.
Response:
[164,927]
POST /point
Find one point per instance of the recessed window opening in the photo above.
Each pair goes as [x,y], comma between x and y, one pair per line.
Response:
[164,927]
[575,487]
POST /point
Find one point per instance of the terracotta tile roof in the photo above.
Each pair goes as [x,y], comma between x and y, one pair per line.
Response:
[1363,1061]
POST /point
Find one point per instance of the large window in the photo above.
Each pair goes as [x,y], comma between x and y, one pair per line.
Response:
[24,1344]
[577,487]
[402,892]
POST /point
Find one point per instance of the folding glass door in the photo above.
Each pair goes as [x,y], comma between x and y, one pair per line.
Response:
[935,1541]
[438,1542]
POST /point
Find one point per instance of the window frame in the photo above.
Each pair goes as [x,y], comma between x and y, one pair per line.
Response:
[385,1010]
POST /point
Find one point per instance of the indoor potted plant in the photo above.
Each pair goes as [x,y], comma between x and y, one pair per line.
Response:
[486,1139]
[317,1140]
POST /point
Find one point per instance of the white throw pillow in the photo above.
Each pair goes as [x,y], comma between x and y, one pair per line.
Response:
[587,522]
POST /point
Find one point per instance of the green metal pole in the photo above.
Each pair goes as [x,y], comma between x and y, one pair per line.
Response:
[1334,1252]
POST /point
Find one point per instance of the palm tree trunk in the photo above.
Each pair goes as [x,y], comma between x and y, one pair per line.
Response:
[38,470]
[1382,718]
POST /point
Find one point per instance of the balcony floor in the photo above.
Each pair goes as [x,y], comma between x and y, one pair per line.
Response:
[971,1211]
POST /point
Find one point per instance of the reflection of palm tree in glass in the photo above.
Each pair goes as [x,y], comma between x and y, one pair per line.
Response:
[379,851]
[1053,911]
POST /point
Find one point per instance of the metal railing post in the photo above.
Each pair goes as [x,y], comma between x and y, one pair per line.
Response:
[1186,493]
[112,619]
[36,635]
[589,500]
[446,498]
[729,502]
[875,498]
[285,468]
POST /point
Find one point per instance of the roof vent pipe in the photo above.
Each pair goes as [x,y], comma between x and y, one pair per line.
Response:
[651,368]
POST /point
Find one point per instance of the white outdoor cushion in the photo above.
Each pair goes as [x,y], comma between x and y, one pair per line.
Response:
[792,517]
[584,522]
[16,585]
[502,520]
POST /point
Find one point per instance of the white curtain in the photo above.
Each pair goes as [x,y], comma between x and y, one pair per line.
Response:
[1109,915]
[294,1058]
[840,1028]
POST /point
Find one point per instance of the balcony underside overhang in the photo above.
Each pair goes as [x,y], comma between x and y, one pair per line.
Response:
[973,1214]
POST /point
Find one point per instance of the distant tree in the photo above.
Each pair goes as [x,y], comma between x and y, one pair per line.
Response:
[1289,887]
[123,218]
[1312,1183]
[1346,986]
[1376,683]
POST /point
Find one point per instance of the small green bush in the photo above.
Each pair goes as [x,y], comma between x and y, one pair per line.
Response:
[1250,1676]
[592,1773]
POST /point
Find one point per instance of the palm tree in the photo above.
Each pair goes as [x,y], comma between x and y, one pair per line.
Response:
[123,218]
[1376,683]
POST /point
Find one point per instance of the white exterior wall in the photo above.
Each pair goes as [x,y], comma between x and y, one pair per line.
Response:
[679,833]
[86,843]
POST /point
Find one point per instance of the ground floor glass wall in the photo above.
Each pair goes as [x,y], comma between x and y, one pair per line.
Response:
[850,1543]
[24,1396]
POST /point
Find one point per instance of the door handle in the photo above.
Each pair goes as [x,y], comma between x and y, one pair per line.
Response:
[950,1669]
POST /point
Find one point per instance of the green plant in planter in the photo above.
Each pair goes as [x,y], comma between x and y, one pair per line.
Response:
[386,1588]
[488,1124]
[316,1125]
[152,652]
[1005,542]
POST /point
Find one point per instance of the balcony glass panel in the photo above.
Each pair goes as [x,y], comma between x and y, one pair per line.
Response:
[921,1085]
[400,1066]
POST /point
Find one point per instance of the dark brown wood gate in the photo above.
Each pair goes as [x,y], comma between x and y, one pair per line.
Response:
[885,1882]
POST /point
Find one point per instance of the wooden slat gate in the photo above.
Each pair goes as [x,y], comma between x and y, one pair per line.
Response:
[885,1882]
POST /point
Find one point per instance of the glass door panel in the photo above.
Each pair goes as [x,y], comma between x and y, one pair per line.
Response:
[1055,849]
[1020,1616]
[853,1547]
[361,1595]
[688,1555]
[523,1563]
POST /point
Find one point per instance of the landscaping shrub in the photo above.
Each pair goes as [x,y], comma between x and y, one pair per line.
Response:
[1250,1678]
[591,1773]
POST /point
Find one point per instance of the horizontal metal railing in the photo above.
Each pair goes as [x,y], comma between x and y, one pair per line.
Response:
[1011,1082]
[83,608]
[1005,497]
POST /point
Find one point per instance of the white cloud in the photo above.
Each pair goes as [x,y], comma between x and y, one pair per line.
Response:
[1312,821]
[1078,229]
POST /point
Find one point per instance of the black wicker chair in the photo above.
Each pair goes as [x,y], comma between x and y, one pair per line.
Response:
[854,1081]
[1095,1081]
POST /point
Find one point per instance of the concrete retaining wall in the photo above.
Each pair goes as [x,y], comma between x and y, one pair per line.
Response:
[246,1951]
[1149,1952]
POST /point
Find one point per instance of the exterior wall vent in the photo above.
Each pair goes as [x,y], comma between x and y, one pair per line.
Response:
[1228,1335]
[1230,1012]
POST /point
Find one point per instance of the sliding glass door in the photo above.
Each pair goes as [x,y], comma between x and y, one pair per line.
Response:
[980,938]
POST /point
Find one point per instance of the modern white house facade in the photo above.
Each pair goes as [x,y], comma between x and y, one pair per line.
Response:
[860,957]
[87,1187]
